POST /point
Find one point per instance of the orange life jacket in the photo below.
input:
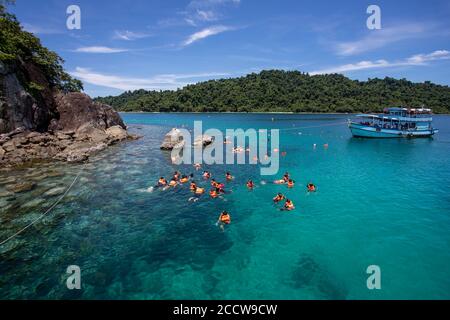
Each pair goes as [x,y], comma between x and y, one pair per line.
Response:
[199,190]
[225,218]
[289,205]
[213,193]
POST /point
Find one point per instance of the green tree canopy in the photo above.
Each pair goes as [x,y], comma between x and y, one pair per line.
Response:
[287,91]
[17,44]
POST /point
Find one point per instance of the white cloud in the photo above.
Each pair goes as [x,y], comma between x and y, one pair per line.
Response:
[380,38]
[207,32]
[40,30]
[198,12]
[419,59]
[157,82]
[99,49]
[211,3]
[206,15]
[436,55]
[129,35]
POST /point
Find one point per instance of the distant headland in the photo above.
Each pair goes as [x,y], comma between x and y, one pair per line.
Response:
[287,91]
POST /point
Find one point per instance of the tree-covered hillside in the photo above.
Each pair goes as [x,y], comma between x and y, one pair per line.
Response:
[21,48]
[288,91]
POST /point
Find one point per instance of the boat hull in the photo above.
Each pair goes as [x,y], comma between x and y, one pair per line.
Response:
[364,131]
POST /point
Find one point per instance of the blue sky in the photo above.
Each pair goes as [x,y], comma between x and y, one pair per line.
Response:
[127,45]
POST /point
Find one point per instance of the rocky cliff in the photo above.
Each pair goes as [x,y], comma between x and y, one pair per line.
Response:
[39,122]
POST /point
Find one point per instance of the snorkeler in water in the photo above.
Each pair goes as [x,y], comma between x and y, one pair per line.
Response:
[250,184]
[224,219]
[290,183]
[206,174]
[176,175]
[278,197]
[288,205]
[311,187]
[161,182]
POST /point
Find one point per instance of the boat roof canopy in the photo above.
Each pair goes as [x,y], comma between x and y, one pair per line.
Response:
[409,110]
[396,118]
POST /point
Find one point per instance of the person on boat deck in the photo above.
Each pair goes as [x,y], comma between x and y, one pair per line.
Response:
[278,197]
[290,183]
[250,184]
[228,176]
[311,187]
[224,219]
[162,181]
[206,174]
[289,205]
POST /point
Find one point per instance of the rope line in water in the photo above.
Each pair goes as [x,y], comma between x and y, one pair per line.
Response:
[317,126]
[46,212]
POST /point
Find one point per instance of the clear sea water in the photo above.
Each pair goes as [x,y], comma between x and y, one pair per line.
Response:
[379,202]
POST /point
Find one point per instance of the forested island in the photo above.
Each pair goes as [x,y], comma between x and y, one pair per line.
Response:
[286,91]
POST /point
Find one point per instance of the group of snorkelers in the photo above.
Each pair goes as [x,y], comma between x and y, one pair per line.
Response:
[289,205]
[218,188]
[176,179]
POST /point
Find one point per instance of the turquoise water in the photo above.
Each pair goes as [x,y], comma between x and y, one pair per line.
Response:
[379,202]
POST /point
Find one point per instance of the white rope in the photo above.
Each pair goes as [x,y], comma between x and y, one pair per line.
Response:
[46,212]
[317,126]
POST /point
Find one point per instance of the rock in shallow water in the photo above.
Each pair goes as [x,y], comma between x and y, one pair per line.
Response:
[21,187]
[33,203]
[4,194]
[55,191]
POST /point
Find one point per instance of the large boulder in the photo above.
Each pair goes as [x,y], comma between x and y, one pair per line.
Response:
[172,140]
[21,106]
[39,122]
[77,110]
[203,140]
[116,133]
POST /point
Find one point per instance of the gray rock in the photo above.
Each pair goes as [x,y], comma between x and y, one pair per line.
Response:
[21,187]
[50,124]
[55,191]
[173,140]
[4,194]
[203,140]
[117,133]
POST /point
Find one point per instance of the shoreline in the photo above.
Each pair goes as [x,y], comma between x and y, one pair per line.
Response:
[230,112]
[281,112]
